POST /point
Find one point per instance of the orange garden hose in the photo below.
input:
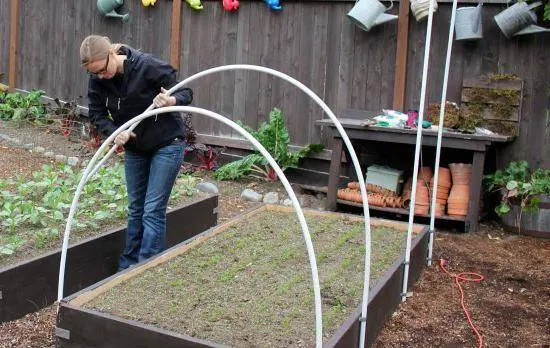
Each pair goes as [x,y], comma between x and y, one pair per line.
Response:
[466,277]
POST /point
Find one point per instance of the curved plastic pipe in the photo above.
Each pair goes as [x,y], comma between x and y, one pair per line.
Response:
[417,149]
[272,163]
[440,130]
[347,142]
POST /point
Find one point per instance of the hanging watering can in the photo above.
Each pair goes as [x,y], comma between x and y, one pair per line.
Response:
[369,13]
[468,23]
[107,8]
[519,19]
[421,8]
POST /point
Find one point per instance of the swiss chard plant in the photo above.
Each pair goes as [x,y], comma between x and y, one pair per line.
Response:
[519,185]
[18,107]
[275,138]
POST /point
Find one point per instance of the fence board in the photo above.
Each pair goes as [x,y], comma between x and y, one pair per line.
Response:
[312,41]
[5,42]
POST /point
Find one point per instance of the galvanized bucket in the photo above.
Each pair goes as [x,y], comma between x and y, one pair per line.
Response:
[468,23]
[516,17]
[369,13]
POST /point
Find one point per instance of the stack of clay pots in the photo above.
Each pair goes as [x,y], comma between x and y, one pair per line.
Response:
[377,196]
[443,188]
[422,201]
[457,204]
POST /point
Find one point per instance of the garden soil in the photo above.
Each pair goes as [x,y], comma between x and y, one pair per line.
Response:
[250,285]
[510,307]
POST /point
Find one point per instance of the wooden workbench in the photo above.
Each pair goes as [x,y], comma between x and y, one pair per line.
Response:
[475,144]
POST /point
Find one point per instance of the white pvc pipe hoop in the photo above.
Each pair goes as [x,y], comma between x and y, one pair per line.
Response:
[417,150]
[257,145]
[440,130]
[347,142]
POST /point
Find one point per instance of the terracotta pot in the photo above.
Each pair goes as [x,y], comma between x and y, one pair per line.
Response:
[353,185]
[439,210]
[421,209]
[457,212]
[425,173]
[443,179]
[460,195]
[461,173]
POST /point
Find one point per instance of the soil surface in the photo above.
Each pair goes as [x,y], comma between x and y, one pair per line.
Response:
[510,307]
[250,285]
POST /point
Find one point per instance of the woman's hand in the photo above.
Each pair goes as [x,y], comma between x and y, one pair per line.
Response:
[123,137]
[162,99]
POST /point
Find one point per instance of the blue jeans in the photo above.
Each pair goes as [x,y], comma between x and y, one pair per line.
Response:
[149,181]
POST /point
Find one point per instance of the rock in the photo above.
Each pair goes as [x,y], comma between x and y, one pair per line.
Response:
[287,202]
[49,154]
[271,198]
[39,149]
[207,187]
[251,195]
[15,141]
[28,146]
[60,158]
[73,161]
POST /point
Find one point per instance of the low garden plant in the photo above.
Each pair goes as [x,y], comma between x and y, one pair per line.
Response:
[275,138]
[18,108]
[518,184]
[33,211]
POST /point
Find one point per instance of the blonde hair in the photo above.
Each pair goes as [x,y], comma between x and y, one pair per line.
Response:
[95,47]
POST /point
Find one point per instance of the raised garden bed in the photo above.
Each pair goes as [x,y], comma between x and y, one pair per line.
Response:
[32,284]
[247,283]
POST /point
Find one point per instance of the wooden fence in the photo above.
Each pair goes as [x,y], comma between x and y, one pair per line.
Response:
[312,41]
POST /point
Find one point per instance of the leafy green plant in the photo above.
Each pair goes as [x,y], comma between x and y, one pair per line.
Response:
[519,185]
[18,107]
[34,210]
[275,138]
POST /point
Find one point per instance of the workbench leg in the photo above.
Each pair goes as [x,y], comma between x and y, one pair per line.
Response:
[476,183]
[334,174]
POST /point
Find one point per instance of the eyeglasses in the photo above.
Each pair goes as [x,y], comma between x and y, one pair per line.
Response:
[102,71]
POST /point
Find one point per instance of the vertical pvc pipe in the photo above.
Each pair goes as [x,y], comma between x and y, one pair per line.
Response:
[417,149]
[440,130]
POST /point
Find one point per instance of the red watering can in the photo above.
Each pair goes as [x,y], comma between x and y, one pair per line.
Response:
[230,5]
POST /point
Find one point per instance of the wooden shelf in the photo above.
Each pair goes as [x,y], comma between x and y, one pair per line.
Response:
[401,211]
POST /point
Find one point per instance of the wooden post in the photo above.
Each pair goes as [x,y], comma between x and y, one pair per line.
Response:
[14,21]
[401,56]
[175,36]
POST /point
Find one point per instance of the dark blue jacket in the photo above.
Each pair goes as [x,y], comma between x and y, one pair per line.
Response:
[112,102]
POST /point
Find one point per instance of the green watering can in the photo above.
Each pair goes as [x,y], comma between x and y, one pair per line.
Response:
[107,8]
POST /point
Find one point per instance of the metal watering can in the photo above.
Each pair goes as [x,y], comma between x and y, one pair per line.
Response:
[107,8]
[468,23]
[369,13]
[519,19]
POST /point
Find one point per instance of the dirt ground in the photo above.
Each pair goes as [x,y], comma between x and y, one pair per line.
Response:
[510,307]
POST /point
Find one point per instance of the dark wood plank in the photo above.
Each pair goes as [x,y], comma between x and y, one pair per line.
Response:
[318,71]
[345,68]
[476,182]
[239,105]
[254,50]
[334,174]
[4,44]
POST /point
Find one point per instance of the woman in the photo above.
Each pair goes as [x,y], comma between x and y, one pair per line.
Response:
[123,83]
